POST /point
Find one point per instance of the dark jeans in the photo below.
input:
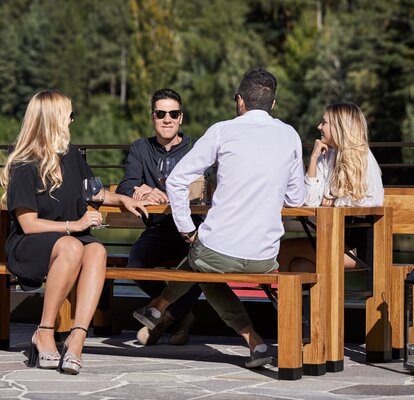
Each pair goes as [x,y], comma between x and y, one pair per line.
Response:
[155,245]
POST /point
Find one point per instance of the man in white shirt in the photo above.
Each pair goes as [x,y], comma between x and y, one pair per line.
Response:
[260,169]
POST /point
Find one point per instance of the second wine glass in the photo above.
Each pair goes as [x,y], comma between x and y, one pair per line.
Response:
[165,166]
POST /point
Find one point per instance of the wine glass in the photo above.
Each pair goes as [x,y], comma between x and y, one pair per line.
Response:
[94,194]
[164,167]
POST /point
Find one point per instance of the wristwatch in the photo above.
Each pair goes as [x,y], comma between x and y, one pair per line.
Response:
[188,235]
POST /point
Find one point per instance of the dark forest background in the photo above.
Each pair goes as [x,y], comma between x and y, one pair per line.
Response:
[110,55]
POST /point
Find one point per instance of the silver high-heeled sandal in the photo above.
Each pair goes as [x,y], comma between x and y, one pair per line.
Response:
[43,359]
[69,363]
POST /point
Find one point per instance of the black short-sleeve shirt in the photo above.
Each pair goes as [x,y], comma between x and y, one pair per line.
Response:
[28,256]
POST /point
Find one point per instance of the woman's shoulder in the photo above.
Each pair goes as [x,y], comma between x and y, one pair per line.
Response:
[73,153]
[24,167]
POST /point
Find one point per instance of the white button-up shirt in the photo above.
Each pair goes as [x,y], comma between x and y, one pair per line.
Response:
[260,169]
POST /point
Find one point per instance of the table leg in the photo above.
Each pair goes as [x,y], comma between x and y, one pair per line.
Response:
[330,263]
[314,358]
[289,327]
[377,326]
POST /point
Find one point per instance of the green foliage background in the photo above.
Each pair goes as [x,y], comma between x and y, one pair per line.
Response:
[110,55]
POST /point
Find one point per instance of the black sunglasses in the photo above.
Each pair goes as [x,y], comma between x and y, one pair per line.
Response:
[236,96]
[160,114]
[71,116]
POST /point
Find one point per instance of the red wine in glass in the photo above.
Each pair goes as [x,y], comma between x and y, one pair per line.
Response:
[94,194]
[164,167]
[95,203]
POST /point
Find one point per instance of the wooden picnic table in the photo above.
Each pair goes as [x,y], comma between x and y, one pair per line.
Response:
[330,224]
[330,248]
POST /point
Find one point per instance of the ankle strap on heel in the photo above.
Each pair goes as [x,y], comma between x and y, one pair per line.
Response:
[81,328]
[45,327]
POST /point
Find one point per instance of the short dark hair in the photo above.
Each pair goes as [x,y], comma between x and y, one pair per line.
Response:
[165,93]
[258,89]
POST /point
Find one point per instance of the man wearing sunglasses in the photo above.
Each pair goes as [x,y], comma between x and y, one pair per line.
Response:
[160,240]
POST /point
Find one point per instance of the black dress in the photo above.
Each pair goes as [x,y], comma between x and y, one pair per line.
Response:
[28,256]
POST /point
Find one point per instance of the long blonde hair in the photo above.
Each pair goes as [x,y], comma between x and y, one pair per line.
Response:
[43,138]
[350,133]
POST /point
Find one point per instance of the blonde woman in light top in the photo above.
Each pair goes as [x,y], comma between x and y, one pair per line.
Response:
[342,172]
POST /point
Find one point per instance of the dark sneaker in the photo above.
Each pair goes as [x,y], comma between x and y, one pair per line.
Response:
[144,315]
[258,359]
[181,330]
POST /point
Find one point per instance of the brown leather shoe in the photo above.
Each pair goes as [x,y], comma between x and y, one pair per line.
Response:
[181,330]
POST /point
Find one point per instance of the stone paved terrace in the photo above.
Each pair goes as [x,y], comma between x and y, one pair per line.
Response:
[208,368]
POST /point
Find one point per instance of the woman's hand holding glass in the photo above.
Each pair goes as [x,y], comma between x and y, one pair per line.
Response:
[91,219]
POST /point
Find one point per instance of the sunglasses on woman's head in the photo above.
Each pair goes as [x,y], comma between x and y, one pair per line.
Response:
[160,114]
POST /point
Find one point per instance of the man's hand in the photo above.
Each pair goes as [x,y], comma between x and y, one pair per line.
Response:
[151,194]
[189,237]
[140,192]
[136,207]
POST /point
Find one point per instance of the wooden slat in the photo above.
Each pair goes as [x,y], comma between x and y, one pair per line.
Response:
[186,276]
[124,220]
[406,191]
[355,211]
[4,270]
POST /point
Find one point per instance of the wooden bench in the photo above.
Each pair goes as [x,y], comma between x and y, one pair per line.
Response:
[289,310]
[294,359]
[402,202]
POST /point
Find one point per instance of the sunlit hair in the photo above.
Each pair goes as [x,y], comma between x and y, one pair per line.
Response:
[350,133]
[43,138]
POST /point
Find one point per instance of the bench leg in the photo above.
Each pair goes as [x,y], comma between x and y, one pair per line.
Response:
[314,358]
[290,327]
[398,274]
[329,263]
[4,312]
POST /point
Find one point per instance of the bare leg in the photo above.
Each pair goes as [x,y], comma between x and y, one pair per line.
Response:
[298,255]
[349,263]
[65,262]
[90,284]
[295,252]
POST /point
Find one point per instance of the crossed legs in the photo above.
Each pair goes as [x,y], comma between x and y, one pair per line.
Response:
[72,261]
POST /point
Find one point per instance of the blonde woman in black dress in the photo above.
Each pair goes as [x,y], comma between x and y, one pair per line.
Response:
[50,226]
